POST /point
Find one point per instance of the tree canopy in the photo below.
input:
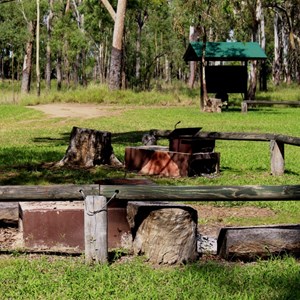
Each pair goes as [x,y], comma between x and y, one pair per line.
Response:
[76,38]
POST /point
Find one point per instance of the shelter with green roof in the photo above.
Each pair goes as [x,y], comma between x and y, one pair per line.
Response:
[224,77]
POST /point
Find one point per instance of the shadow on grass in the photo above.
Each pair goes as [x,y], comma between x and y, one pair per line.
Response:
[63,140]
[40,174]
[122,138]
[128,138]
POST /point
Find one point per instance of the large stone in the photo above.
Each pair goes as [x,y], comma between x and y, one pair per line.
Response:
[165,233]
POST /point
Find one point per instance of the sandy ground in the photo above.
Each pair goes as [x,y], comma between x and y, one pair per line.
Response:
[76,110]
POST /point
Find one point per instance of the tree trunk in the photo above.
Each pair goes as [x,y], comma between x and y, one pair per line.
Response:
[276,61]
[194,34]
[27,66]
[2,68]
[166,233]
[88,148]
[48,48]
[38,72]
[252,81]
[205,104]
[59,71]
[285,46]
[140,24]
[116,52]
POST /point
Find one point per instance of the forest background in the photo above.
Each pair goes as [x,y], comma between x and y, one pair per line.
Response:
[73,42]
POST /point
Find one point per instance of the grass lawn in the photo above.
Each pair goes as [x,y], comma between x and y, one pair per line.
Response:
[29,140]
[69,278]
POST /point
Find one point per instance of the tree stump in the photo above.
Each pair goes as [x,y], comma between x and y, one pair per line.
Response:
[165,233]
[213,105]
[88,148]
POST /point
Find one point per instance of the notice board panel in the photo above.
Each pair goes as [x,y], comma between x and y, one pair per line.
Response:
[229,79]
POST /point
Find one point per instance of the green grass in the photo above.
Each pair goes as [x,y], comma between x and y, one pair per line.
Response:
[70,278]
[29,141]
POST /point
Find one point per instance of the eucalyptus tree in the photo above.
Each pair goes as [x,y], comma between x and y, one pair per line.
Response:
[49,19]
[28,10]
[252,13]
[118,16]
[98,30]
[11,40]
[286,63]
[68,41]
[150,48]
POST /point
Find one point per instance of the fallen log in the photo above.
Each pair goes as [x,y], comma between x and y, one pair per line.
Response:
[9,212]
[250,243]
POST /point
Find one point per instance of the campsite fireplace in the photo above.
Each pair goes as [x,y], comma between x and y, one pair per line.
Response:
[187,155]
[185,140]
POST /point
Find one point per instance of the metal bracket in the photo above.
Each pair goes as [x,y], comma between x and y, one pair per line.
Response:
[104,208]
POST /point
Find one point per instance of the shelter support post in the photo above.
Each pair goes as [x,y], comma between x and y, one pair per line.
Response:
[277,157]
[95,229]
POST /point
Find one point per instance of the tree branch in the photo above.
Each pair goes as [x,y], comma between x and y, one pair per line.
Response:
[109,8]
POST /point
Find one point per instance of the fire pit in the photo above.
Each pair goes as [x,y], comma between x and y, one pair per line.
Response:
[187,155]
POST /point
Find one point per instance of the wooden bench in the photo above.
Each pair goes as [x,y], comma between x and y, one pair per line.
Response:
[277,142]
[245,103]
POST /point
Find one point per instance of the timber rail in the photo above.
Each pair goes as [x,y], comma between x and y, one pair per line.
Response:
[95,202]
[276,141]
[246,103]
[72,192]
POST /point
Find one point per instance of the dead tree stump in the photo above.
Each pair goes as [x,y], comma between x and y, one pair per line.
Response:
[213,105]
[165,233]
[88,148]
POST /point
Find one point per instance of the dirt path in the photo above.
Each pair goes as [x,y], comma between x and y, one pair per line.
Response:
[76,110]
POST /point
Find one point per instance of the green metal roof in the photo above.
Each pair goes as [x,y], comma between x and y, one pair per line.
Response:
[231,51]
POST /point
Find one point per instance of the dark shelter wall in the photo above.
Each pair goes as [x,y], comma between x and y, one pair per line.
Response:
[226,79]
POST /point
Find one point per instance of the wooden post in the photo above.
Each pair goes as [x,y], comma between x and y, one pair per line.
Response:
[95,229]
[244,107]
[277,157]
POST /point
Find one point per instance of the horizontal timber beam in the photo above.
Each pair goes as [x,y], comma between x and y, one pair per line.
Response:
[61,192]
[150,193]
[202,193]
[272,102]
[237,136]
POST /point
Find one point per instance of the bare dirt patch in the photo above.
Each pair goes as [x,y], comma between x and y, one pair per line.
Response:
[215,217]
[78,110]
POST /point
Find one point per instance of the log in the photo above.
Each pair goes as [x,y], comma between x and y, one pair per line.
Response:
[9,212]
[203,193]
[58,192]
[165,233]
[234,136]
[71,192]
[88,148]
[249,243]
